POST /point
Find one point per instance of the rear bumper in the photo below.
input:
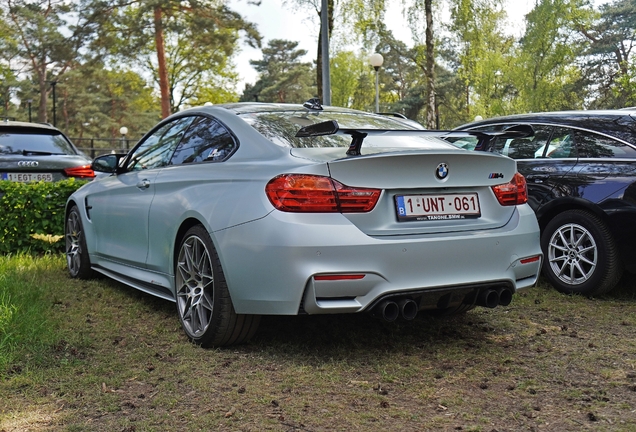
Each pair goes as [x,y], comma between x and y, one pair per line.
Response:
[271,264]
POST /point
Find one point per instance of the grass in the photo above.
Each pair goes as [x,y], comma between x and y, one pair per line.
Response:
[98,356]
[25,325]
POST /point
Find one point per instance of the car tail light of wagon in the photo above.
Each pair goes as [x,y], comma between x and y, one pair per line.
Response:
[84,171]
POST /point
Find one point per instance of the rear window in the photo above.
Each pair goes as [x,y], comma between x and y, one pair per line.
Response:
[281,128]
[31,141]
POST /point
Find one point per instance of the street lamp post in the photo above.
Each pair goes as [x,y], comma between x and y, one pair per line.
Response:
[324,46]
[376,61]
[29,102]
[124,143]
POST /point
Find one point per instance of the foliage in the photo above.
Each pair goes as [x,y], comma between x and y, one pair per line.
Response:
[482,51]
[352,81]
[127,63]
[186,47]
[33,208]
[96,102]
[356,20]
[39,37]
[546,75]
[610,39]
[283,78]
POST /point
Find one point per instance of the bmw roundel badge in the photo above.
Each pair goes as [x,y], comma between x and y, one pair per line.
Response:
[442,171]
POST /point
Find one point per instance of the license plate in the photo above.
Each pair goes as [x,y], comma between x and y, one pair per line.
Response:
[27,177]
[437,207]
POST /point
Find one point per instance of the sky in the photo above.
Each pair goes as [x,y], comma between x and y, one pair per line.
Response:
[278,21]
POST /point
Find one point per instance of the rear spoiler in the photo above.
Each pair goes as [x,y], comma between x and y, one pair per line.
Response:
[331,127]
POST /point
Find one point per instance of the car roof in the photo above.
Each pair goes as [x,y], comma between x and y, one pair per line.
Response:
[256,107]
[21,124]
[618,123]
[564,117]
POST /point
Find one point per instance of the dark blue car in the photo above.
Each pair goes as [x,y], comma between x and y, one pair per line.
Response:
[581,172]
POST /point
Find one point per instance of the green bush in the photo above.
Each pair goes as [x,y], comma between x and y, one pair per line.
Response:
[32,218]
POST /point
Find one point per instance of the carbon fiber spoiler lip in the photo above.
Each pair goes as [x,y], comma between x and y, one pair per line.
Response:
[332,127]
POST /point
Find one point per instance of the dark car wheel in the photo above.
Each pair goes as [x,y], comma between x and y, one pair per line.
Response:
[580,254]
[203,299]
[77,260]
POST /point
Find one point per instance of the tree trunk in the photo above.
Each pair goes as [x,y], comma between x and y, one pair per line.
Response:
[42,113]
[161,61]
[431,122]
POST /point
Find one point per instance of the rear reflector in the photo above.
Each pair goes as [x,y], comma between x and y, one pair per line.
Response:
[530,260]
[304,193]
[80,172]
[339,277]
[513,193]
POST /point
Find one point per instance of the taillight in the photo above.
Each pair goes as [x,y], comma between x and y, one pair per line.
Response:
[305,193]
[513,193]
[80,172]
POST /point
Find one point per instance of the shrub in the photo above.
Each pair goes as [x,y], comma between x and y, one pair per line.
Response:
[32,218]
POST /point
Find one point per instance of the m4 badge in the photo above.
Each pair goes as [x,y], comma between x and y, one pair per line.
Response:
[495,175]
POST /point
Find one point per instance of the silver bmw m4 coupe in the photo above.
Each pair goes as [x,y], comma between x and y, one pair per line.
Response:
[241,210]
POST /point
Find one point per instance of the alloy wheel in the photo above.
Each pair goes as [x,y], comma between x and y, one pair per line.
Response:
[73,239]
[572,254]
[195,284]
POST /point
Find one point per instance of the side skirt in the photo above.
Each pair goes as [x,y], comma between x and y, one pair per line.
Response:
[152,289]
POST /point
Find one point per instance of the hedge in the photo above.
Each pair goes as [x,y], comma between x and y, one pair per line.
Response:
[32,218]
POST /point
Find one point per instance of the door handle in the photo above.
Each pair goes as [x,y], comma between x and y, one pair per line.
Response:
[144,184]
[537,178]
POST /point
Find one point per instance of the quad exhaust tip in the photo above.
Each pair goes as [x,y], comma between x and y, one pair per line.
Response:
[390,310]
[491,298]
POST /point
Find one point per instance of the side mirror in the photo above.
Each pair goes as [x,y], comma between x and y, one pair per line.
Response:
[106,163]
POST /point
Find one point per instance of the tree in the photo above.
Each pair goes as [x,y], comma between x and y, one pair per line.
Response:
[96,102]
[482,51]
[186,45]
[356,18]
[425,55]
[610,63]
[282,77]
[546,75]
[42,42]
[352,81]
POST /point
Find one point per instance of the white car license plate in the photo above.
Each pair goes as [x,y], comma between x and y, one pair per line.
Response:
[27,177]
[437,207]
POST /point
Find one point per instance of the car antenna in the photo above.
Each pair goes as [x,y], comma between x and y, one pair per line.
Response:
[313,104]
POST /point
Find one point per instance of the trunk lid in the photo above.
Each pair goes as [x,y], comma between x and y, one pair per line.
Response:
[413,175]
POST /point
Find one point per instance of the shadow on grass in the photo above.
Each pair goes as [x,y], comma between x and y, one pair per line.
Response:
[348,336]
[339,334]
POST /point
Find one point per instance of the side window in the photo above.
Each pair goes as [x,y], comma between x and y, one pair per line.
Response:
[528,147]
[206,140]
[561,144]
[157,149]
[591,145]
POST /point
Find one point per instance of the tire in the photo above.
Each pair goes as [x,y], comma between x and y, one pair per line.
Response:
[581,256]
[203,300]
[77,260]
